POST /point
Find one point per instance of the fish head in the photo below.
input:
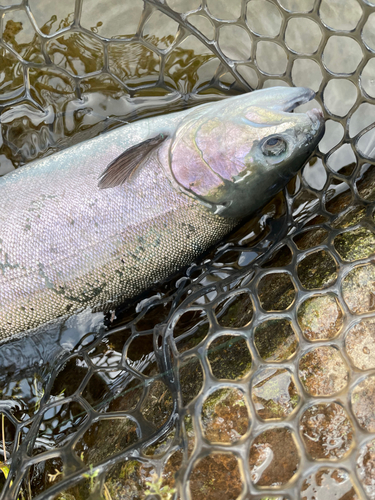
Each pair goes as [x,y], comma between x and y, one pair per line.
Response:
[236,154]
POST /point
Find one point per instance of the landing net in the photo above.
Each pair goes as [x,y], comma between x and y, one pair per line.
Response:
[252,374]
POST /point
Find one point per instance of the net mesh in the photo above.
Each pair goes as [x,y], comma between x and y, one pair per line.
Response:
[251,374]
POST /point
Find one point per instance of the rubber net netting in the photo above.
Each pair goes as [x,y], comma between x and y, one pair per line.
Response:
[251,374]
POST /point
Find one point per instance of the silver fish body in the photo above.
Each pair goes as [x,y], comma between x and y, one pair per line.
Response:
[66,244]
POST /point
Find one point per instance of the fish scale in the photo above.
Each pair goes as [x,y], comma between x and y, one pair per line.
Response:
[70,241]
[97,254]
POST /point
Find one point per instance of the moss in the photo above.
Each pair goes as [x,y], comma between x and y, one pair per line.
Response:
[317,270]
[275,410]
[155,487]
[160,447]
[229,357]
[128,469]
[214,399]
[275,340]
[354,245]
[158,404]
[294,399]
[188,422]
[350,218]
[106,438]
[216,476]
[191,379]
[276,292]
[127,480]
[235,312]
[194,323]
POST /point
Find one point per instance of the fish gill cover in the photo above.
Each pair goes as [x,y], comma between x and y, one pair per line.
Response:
[251,374]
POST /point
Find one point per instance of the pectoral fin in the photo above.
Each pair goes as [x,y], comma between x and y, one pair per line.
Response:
[122,167]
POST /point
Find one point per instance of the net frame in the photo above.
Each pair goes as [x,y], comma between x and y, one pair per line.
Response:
[245,279]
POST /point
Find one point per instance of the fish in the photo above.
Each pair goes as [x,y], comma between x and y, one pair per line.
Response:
[98,223]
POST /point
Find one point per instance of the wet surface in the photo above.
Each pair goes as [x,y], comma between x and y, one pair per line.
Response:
[252,371]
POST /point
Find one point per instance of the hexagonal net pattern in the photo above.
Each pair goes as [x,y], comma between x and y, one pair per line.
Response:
[252,374]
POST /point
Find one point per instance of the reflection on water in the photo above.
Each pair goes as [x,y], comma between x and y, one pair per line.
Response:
[78,85]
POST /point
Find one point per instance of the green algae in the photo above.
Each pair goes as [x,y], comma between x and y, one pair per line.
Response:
[235,312]
[349,218]
[229,357]
[275,340]
[276,292]
[225,416]
[317,270]
[355,245]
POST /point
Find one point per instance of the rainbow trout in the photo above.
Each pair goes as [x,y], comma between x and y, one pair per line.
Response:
[102,221]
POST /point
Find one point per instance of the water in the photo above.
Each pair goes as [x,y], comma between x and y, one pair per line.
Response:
[101,406]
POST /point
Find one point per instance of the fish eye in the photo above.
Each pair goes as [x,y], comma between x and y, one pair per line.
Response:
[274,146]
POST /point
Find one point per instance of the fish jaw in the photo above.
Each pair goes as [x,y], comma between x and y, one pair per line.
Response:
[235,155]
[283,98]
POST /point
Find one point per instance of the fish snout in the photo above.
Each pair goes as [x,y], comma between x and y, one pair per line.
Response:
[282,98]
[316,116]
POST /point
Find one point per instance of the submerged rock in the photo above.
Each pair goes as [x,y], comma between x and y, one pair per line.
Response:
[274,364]
[326,429]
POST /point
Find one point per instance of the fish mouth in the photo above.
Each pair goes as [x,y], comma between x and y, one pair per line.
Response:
[302,95]
[299,95]
[281,99]
[286,99]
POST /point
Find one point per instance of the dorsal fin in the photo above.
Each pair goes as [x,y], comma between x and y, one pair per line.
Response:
[122,167]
